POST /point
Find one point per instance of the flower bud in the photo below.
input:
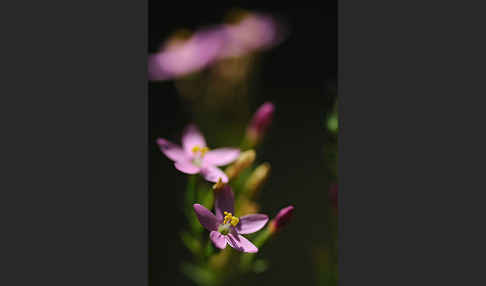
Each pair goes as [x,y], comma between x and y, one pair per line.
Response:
[219,185]
[244,161]
[283,217]
[245,206]
[257,179]
[259,123]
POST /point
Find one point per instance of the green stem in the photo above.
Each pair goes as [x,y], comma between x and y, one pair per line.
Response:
[191,189]
[247,258]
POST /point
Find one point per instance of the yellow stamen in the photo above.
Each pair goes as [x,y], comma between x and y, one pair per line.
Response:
[204,150]
[198,149]
[229,218]
[234,221]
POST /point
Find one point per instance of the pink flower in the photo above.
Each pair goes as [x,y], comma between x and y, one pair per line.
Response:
[283,218]
[261,120]
[187,57]
[195,157]
[224,227]
[253,33]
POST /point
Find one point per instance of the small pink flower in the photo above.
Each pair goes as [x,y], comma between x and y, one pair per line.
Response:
[192,55]
[224,227]
[260,122]
[283,218]
[253,33]
[195,157]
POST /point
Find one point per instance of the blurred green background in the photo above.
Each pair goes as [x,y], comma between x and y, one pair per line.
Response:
[299,77]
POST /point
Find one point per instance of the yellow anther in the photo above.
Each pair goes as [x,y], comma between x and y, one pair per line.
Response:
[229,218]
[204,150]
[234,221]
[198,149]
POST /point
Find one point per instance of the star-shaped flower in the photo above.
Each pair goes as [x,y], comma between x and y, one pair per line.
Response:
[195,157]
[224,227]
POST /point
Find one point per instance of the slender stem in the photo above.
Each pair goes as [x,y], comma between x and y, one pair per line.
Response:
[259,241]
[191,190]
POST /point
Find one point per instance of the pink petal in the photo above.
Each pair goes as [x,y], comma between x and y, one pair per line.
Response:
[251,223]
[187,167]
[172,151]
[191,136]
[212,174]
[224,201]
[240,243]
[206,218]
[221,156]
[218,239]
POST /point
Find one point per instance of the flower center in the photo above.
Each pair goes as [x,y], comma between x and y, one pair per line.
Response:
[228,221]
[229,218]
[200,150]
[199,153]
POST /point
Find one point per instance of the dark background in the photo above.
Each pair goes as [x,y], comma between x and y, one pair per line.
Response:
[299,76]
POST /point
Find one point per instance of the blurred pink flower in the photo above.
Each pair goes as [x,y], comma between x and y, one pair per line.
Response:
[224,227]
[184,58]
[195,157]
[253,33]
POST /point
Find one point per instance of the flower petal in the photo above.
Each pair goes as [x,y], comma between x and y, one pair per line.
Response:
[206,218]
[212,174]
[171,150]
[187,167]
[218,239]
[191,137]
[223,202]
[251,223]
[221,156]
[240,243]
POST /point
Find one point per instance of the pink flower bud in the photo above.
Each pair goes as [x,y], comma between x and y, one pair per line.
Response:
[283,217]
[261,120]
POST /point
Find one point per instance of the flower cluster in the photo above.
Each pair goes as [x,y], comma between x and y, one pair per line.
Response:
[233,190]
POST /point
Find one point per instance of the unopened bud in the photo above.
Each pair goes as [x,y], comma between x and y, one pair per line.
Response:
[257,179]
[283,217]
[246,206]
[259,123]
[219,185]
[244,161]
